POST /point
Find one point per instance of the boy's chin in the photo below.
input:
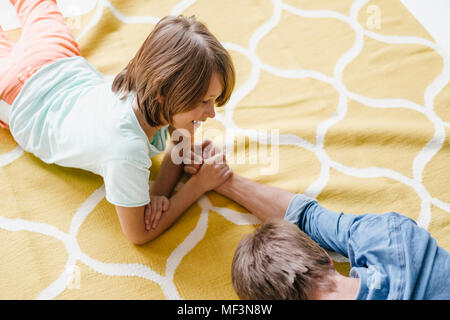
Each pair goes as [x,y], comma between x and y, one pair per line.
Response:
[189,130]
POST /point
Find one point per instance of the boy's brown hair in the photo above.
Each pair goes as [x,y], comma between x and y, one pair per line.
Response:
[280,262]
[172,70]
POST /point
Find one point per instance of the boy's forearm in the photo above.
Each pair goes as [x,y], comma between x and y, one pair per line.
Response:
[188,194]
[261,200]
[168,176]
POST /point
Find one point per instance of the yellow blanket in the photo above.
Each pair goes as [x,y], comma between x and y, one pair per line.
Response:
[348,102]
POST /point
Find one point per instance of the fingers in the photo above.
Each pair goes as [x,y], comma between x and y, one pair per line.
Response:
[193,159]
[228,173]
[198,155]
[152,206]
[210,149]
[224,157]
[190,170]
[147,213]
[223,170]
[223,174]
[154,211]
[208,152]
[216,159]
[206,143]
[162,207]
[209,158]
[197,159]
[166,204]
[157,217]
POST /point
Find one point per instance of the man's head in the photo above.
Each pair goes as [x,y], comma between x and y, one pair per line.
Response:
[279,261]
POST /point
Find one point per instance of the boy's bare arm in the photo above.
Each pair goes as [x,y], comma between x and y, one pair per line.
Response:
[168,175]
[261,200]
[132,219]
[209,177]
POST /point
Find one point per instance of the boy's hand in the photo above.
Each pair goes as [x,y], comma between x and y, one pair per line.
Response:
[208,149]
[213,172]
[153,211]
[193,162]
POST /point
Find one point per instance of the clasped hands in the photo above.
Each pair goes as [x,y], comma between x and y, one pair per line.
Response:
[206,163]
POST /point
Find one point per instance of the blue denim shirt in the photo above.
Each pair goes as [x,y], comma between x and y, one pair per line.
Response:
[392,256]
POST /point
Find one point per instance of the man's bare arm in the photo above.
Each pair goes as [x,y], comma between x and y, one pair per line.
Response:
[263,201]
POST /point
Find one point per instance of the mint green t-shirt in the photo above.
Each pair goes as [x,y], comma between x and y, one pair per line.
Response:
[67,114]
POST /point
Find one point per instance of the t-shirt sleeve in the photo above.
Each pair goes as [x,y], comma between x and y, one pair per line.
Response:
[126,183]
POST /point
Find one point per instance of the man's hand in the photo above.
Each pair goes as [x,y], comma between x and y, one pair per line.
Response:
[153,211]
[212,173]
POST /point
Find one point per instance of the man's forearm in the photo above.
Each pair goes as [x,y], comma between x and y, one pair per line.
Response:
[261,200]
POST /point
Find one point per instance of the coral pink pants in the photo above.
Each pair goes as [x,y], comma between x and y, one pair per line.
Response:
[45,38]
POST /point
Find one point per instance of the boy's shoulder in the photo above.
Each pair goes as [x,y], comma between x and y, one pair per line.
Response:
[132,151]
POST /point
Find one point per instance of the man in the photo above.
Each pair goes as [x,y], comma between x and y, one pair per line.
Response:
[391,257]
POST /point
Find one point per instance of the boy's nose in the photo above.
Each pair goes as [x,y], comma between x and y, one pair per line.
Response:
[210,112]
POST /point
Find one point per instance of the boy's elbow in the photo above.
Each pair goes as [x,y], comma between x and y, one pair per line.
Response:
[133,227]
[142,238]
[138,241]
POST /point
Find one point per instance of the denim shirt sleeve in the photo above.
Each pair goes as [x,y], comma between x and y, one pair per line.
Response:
[393,257]
[329,229]
[365,239]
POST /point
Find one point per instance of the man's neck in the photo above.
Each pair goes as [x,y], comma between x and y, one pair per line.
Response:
[346,289]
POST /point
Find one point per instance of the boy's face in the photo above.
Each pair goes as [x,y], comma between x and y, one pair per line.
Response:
[189,120]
